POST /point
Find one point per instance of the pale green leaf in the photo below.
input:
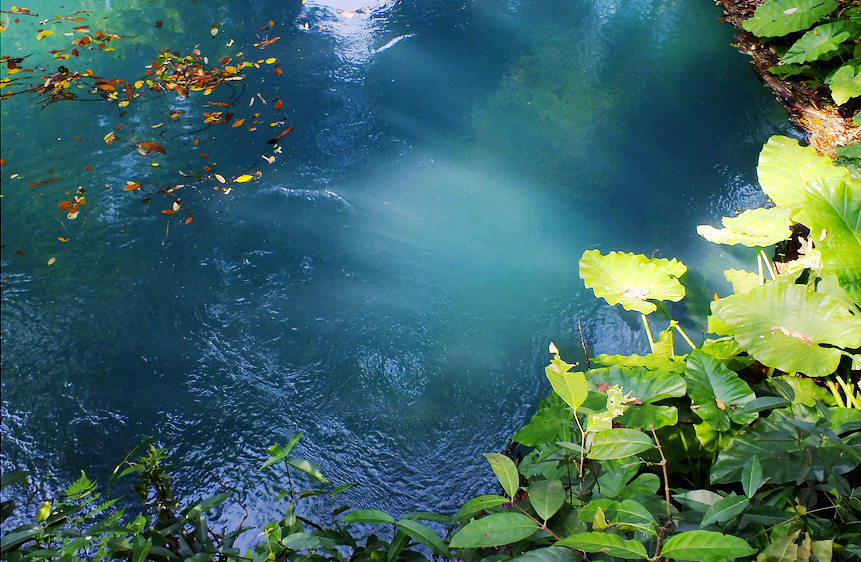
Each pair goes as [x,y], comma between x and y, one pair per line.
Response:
[754,227]
[608,543]
[619,443]
[776,18]
[506,472]
[742,281]
[698,545]
[845,83]
[496,529]
[786,326]
[628,280]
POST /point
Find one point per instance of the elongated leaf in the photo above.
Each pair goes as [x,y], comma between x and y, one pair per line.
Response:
[308,468]
[754,227]
[698,500]
[786,326]
[570,386]
[368,516]
[724,509]
[546,497]
[817,43]
[619,443]
[646,386]
[548,554]
[835,206]
[630,514]
[506,472]
[776,18]
[845,83]
[209,503]
[611,544]
[476,505]
[785,168]
[277,453]
[428,516]
[496,529]
[698,545]
[424,535]
[751,476]
[719,393]
[626,279]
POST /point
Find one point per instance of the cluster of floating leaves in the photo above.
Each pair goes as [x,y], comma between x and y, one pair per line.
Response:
[185,75]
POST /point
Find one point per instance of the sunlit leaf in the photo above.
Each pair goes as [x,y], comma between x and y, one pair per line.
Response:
[845,83]
[44,33]
[628,280]
[220,178]
[619,443]
[506,472]
[754,227]
[776,18]
[278,105]
[238,123]
[131,186]
[51,261]
[243,178]
[697,545]
[188,220]
[63,239]
[168,211]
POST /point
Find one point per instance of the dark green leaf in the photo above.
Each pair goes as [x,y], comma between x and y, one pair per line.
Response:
[548,425]
[751,476]
[546,497]
[614,545]
[724,509]
[476,505]
[547,554]
[718,392]
[368,516]
[424,535]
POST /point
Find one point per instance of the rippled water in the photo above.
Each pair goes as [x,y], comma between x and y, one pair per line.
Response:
[390,284]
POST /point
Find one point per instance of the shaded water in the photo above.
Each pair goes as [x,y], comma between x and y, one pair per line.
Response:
[390,284]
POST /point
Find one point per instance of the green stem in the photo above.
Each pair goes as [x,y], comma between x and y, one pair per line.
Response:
[648,332]
[768,264]
[685,336]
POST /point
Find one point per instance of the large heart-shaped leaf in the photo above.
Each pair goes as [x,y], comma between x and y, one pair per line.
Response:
[776,18]
[784,169]
[496,529]
[754,227]
[785,326]
[644,385]
[818,42]
[845,83]
[835,206]
[718,392]
[629,279]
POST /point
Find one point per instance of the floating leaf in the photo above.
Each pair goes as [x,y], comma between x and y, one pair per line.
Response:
[44,33]
[698,545]
[496,529]
[43,182]
[244,178]
[754,227]
[786,326]
[278,105]
[63,239]
[238,123]
[629,280]
[131,186]
[188,220]
[168,211]
[776,18]
[608,543]
[51,261]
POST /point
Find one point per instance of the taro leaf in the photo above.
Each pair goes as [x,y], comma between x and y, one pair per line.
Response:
[754,227]
[790,457]
[506,472]
[835,206]
[424,535]
[751,476]
[817,43]
[546,497]
[742,281]
[784,326]
[650,361]
[630,514]
[697,545]
[776,18]
[785,168]
[614,545]
[629,280]
[496,529]
[649,415]
[570,386]
[719,392]
[724,509]
[478,504]
[619,443]
[548,425]
[368,516]
[548,554]
[644,385]
[805,391]
[845,83]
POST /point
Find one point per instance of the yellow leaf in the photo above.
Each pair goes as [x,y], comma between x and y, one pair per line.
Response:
[154,164]
[44,33]
[244,178]
[13,71]
[139,84]
[124,103]
[51,261]
[62,239]
[271,60]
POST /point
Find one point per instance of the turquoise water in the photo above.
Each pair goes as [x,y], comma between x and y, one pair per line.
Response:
[390,283]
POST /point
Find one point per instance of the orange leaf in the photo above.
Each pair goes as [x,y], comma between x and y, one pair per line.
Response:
[43,182]
[88,168]
[62,239]
[188,220]
[238,123]
[278,105]
[51,261]
[277,71]
[148,145]
[20,253]
[65,205]
[131,186]
[169,211]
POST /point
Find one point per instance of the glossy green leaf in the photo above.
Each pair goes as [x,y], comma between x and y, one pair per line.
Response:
[817,43]
[277,453]
[424,535]
[619,443]
[506,472]
[477,505]
[697,545]
[835,208]
[608,543]
[784,169]
[751,476]
[309,468]
[646,386]
[569,385]
[776,18]
[546,497]
[631,515]
[649,415]
[718,392]
[724,509]
[547,554]
[754,227]
[368,516]
[546,426]
[496,529]
[628,279]
[845,84]
[786,326]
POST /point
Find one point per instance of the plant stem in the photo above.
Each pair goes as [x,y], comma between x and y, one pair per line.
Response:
[648,332]
[685,337]
[768,264]
[663,464]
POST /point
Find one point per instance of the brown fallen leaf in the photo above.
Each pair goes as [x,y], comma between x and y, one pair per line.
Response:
[51,261]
